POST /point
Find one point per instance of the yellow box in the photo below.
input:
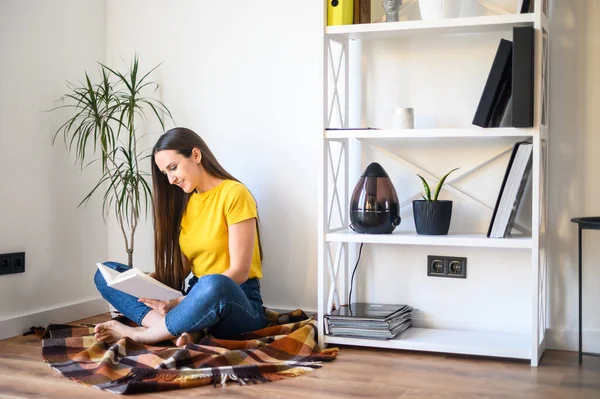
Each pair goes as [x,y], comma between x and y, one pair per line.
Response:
[340,12]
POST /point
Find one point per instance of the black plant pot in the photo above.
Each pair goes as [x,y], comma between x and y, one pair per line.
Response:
[432,217]
[374,206]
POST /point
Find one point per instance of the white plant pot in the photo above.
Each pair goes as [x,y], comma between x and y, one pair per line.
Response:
[439,9]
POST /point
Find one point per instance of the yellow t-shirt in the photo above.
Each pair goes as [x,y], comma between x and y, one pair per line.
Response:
[204,235]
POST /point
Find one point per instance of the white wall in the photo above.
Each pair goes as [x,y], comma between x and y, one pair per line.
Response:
[42,44]
[573,188]
[245,76]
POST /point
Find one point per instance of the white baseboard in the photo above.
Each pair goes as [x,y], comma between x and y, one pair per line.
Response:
[63,314]
[568,340]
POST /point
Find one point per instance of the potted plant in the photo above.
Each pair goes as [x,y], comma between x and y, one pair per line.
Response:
[432,216]
[104,126]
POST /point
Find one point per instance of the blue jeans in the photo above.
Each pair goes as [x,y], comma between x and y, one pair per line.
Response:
[213,301]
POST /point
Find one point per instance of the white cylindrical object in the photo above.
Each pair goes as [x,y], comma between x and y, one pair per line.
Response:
[404,118]
[439,9]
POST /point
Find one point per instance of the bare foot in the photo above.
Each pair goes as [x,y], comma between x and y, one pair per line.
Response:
[111,331]
[187,338]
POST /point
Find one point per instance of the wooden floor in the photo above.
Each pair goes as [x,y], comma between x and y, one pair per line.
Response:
[357,373]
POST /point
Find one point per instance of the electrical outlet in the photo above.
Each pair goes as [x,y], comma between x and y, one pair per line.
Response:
[457,267]
[446,266]
[12,263]
[4,264]
[436,266]
[17,262]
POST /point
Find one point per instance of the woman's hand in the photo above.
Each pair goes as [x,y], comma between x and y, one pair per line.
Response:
[162,307]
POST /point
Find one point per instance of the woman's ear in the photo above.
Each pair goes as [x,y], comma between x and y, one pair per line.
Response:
[196,156]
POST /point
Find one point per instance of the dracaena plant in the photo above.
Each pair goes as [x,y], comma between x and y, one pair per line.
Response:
[104,126]
[429,196]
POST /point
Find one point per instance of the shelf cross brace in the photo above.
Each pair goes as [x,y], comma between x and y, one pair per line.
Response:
[336,173]
[335,99]
[448,185]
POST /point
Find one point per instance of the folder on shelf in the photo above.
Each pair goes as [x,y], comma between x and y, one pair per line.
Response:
[522,76]
[340,12]
[497,89]
[362,11]
[511,191]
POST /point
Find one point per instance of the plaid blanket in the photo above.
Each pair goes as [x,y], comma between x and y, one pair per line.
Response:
[286,348]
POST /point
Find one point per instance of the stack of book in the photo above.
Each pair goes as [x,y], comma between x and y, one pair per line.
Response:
[369,320]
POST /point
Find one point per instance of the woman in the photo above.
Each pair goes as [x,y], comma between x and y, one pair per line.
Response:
[205,221]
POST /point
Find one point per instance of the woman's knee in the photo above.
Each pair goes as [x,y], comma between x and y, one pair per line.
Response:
[213,285]
[120,267]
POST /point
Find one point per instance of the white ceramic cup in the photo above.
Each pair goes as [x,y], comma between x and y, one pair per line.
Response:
[404,118]
[439,9]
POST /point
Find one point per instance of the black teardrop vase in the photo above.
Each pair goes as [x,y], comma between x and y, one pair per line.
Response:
[374,206]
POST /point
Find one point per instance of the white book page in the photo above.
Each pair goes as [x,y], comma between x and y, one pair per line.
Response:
[129,274]
[108,273]
[137,283]
[144,288]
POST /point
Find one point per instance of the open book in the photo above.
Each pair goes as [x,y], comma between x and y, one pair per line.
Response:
[137,283]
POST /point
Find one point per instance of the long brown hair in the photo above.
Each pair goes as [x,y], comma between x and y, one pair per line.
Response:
[170,202]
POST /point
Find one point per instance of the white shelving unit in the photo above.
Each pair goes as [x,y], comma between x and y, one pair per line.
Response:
[337,244]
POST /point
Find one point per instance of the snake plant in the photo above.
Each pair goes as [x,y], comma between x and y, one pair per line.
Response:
[428,196]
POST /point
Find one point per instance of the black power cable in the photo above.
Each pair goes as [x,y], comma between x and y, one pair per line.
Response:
[354,271]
